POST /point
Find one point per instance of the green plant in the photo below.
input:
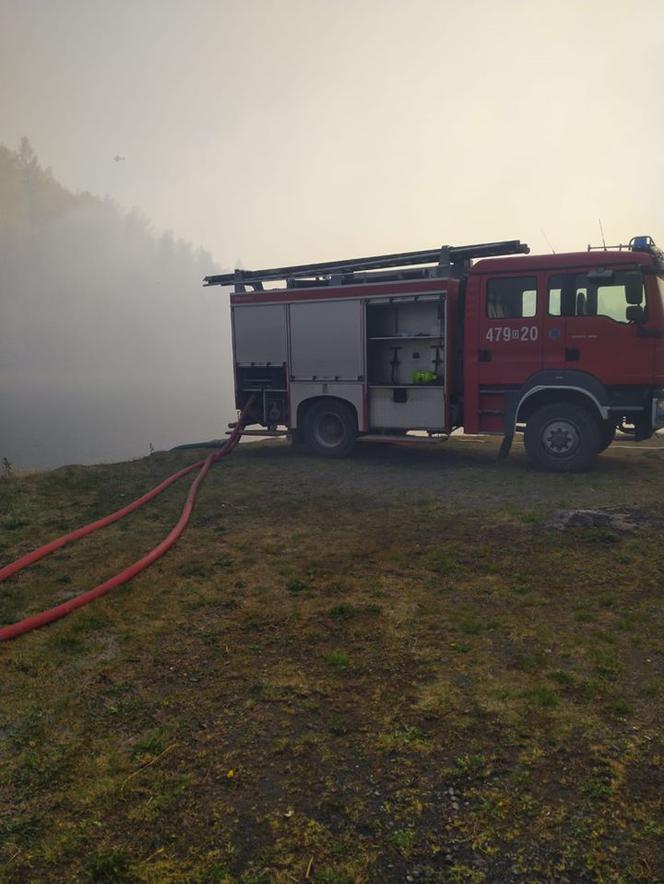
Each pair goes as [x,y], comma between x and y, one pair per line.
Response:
[342,612]
[560,677]
[470,765]
[620,706]
[108,866]
[597,789]
[542,696]
[408,736]
[403,839]
[337,660]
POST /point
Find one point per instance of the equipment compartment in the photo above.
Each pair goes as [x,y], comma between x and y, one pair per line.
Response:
[407,408]
[326,340]
[406,362]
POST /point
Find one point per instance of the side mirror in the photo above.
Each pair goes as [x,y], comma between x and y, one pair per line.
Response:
[633,287]
[634,313]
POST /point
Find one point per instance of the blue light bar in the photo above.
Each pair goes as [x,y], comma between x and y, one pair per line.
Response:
[641,243]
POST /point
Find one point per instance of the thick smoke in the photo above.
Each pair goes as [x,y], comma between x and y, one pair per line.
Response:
[108,342]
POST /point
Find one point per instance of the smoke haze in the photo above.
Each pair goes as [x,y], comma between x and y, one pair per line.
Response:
[108,343]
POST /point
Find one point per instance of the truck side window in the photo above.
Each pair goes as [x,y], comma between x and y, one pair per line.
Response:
[556,284]
[603,298]
[576,295]
[511,298]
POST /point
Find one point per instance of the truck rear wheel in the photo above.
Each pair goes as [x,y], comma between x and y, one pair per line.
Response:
[562,438]
[330,428]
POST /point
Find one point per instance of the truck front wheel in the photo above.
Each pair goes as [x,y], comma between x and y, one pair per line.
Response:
[562,438]
[330,428]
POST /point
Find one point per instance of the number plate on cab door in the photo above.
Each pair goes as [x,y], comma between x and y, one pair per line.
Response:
[506,334]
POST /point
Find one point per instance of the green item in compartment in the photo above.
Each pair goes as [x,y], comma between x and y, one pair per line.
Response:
[424,377]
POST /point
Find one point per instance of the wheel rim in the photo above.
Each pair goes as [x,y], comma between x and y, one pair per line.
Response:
[561,438]
[329,430]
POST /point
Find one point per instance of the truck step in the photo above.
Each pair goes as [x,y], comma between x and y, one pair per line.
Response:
[276,433]
[377,437]
[421,440]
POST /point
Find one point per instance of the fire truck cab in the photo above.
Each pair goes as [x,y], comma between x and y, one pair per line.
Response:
[563,348]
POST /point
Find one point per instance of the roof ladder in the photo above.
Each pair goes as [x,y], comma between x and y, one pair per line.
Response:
[400,265]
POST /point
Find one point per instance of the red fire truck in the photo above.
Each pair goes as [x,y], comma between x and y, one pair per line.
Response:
[564,348]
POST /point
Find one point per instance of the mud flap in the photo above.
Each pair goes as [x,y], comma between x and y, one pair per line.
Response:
[505,446]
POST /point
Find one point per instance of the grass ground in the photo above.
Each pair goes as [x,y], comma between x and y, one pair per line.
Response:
[382,669]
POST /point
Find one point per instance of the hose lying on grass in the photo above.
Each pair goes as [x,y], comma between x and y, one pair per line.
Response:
[49,616]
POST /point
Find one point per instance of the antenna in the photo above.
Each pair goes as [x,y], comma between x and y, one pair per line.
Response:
[601,230]
[547,240]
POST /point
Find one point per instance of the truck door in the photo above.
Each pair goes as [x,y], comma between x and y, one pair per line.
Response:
[509,342]
[509,348]
[553,324]
[586,328]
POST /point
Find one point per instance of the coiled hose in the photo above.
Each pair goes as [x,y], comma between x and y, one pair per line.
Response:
[49,616]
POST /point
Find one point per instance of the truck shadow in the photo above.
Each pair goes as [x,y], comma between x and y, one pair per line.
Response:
[456,475]
[461,452]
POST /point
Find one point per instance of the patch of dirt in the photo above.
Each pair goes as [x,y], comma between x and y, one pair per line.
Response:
[620,519]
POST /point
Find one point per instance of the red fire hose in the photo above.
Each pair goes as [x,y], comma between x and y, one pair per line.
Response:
[45,617]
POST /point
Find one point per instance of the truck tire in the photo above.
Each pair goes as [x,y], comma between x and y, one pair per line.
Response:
[562,438]
[330,428]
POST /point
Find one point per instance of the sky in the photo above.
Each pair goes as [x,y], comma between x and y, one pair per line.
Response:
[284,131]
